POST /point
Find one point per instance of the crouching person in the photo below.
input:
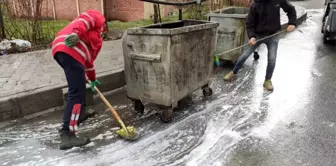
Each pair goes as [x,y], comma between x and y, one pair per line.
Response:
[75,48]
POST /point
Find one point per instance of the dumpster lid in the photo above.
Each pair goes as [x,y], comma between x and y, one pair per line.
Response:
[230,12]
[173,28]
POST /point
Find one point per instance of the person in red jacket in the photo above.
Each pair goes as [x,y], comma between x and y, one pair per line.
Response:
[75,48]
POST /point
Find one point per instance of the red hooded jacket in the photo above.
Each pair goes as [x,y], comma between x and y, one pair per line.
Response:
[88,26]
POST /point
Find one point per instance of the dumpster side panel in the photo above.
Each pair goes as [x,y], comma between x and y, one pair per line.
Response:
[191,61]
[231,34]
[147,68]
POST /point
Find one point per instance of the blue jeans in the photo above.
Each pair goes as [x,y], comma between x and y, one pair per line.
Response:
[75,104]
[272,47]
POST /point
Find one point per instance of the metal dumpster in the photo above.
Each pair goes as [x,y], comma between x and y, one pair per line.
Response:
[166,62]
[231,31]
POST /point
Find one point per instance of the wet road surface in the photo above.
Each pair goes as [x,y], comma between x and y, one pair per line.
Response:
[309,4]
[241,124]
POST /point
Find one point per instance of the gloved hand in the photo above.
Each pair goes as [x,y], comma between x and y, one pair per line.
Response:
[71,40]
[93,84]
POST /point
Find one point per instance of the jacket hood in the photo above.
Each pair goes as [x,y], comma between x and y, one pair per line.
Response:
[98,18]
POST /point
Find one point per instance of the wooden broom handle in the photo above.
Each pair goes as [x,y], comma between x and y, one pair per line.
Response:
[114,112]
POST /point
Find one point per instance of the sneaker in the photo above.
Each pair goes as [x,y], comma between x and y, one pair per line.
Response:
[70,140]
[268,85]
[230,76]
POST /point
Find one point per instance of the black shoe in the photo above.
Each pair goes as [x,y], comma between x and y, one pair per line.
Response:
[86,115]
[70,140]
[256,56]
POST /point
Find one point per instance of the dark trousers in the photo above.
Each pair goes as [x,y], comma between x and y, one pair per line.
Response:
[75,104]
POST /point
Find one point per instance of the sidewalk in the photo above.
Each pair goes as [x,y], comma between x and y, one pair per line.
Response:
[33,82]
[27,72]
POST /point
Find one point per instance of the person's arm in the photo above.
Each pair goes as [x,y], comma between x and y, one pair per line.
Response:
[290,10]
[91,74]
[90,71]
[89,66]
[251,22]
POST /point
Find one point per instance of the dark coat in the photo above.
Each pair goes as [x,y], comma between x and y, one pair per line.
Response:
[264,17]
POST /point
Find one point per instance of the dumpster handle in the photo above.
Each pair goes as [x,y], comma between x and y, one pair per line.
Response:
[146,57]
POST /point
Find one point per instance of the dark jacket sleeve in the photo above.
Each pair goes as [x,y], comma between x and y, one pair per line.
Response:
[251,22]
[290,10]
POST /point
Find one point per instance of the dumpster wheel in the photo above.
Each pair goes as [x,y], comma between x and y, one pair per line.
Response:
[166,115]
[207,91]
[138,106]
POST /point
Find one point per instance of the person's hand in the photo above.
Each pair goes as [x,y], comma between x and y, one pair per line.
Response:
[290,28]
[94,84]
[252,41]
[71,40]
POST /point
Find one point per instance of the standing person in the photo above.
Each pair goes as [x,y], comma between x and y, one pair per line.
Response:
[75,48]
[264,20]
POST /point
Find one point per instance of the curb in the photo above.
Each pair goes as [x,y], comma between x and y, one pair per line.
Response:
[21,105]
[18,106]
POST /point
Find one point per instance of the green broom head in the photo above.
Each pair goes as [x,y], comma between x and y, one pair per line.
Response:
[130,134]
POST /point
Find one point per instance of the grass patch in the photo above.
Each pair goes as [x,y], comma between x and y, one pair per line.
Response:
[23,29]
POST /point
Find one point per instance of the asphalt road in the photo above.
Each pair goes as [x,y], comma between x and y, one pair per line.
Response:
[309,4]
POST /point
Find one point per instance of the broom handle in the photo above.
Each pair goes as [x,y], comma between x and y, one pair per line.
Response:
[113,111]
[225,52]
